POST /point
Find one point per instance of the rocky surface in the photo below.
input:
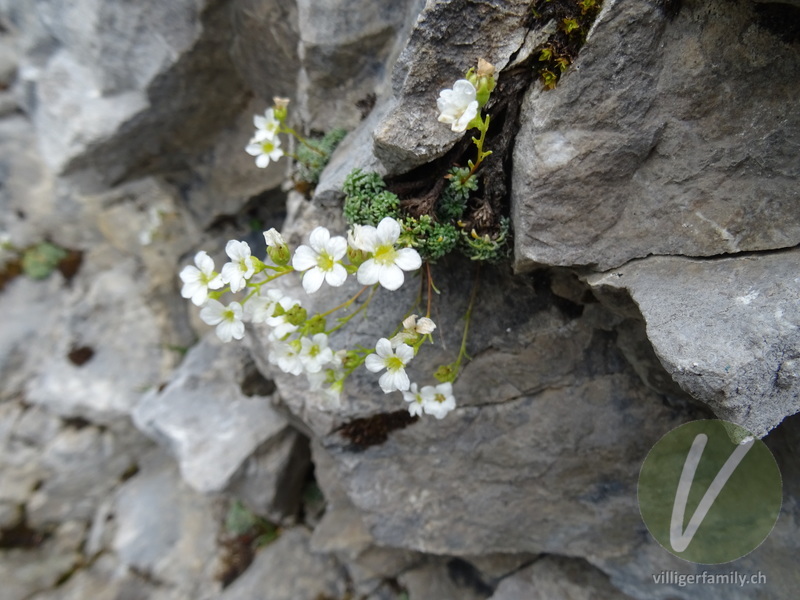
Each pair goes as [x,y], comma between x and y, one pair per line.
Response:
[653,199]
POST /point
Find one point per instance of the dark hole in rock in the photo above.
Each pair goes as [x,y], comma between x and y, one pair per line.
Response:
[80,355]
[373,431]
[70,264]
[255,384]
[671,8]
[781,19]
[21,536]
[76,422]
[129,472]
[9,271]
[465,575]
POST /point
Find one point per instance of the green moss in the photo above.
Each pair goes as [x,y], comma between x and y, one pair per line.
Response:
[367,200]
[313,156]
[574,19]
[432,239]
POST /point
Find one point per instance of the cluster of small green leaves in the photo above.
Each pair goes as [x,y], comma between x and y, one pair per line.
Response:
[432,239]
[242,522]
[39,261]
[313,156]
[453,202]
[574,19]
[367,201]
[486,247]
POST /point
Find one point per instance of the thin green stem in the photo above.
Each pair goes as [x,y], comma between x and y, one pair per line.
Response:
[481,154]
[301,139]
[462,353]
[344,304]
[344,320]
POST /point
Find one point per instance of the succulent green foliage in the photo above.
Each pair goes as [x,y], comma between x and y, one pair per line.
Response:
[39,261]
[486,247]
[453,201]
[313,156]
[241,522]
[367,199]
[432,239]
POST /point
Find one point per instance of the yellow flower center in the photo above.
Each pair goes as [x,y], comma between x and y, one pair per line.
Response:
[325,261]
[385,255]
[394,363]
[439,398]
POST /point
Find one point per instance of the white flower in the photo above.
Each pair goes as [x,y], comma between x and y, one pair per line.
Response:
[412,329]
[273,238]
[314,352]
[387,263]
[279,323]
[439,400]
[355,239]
[414,398]
[228,319]
[395,377]
[264,150]
[261,307]
[457,107]
[198,280]
[287,356]
[266,126]
[321,260]
[241,267]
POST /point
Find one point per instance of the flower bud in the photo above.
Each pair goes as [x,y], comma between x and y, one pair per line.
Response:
[280,108]
[316,324]
[484,81]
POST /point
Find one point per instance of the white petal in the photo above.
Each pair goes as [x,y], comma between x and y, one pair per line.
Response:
[189,274]
[212,312]
[253,148]
[200,296]
[369,273]
[304,258]
[262,161]
[237,250]
[204,262]
[384,348]
[336,276]
[388,230]
[391,277]
[313,279]
[336,247]
[405,353]
[318,237]
[408,259]
[374,363]
[387,383]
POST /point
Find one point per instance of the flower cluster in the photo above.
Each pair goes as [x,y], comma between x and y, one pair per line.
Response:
[299,342]
[312,154]
[265,145]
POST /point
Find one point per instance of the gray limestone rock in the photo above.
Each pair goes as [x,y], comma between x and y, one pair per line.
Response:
[662,139]
[105,316]
[165,530]
[726,330]
[558,577]
[215,414]
[290,570]
[125,88]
